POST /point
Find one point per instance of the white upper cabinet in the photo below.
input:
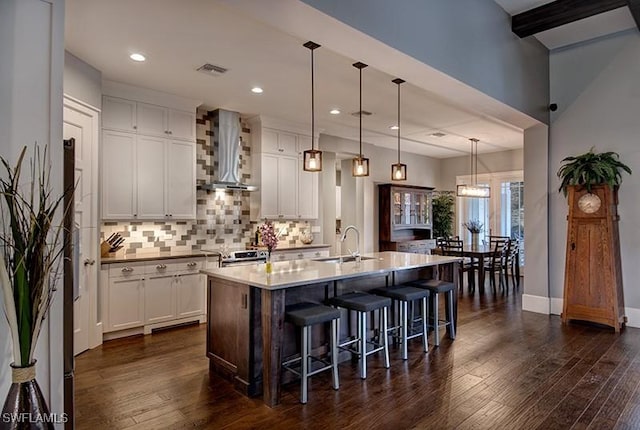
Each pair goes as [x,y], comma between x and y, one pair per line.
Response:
[118,114]
[285,190]
[148,119]
[181,177]
[152,120]
[151,160]
[118,175]
[149,171]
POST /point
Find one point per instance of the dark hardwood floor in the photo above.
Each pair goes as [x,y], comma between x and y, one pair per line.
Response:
[507,369]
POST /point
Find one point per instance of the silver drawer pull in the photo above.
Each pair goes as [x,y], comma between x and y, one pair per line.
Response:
[127,269]
[301,255]
[192,264]
[161,266]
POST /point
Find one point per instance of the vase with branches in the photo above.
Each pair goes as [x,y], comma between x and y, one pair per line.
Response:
[270,240]
[31,251]
[475,227]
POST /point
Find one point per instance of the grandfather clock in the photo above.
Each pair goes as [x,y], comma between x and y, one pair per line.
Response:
[593,272]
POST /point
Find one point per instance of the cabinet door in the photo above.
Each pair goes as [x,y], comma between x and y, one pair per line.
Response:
[269,141]
[150,168]
[288,187]
[118,114]
[182,125]
[152,119]
[190,295]
[181,180]
[159,299]
[269,187]
[307,189]
[126,303]
[118,175]
[287,143]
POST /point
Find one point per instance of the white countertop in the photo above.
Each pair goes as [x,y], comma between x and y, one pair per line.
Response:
[302,272]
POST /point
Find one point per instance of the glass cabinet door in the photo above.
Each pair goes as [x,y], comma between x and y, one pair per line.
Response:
[408,213]
[396,207]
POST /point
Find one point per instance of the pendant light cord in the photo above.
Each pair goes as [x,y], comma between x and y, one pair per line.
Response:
[398,123]
[360,115]
[313,114]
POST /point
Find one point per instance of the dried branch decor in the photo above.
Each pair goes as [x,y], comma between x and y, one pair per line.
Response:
[30,249]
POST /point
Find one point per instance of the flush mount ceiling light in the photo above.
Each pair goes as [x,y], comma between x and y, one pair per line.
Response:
[360,165]
[393,127]
[334,111]
[398,170]
[312,157]
[473,190]
[256,90]
[137,57]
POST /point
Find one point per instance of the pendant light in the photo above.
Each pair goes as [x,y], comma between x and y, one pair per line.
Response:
[360,165]
[398,170]
[473,190]
[312,161]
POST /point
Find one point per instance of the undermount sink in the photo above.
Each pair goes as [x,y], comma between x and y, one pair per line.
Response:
[343,259]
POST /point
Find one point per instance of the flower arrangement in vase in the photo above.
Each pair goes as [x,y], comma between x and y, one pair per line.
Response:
[29,267]
[270,240]
[475,227]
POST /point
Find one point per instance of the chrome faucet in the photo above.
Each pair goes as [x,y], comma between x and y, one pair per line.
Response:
[356,254]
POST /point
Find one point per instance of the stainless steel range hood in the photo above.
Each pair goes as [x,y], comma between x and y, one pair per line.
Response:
[225,127]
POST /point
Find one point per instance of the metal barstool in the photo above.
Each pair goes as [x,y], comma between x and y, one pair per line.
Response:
[306,315]
[436,287]
[362,304]
[403,328]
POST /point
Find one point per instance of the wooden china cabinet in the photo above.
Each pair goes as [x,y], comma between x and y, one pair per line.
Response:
[405,218]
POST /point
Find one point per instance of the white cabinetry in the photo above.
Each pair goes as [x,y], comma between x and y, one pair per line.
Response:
[300,254]
[286,190]
[158,293]
[145,118]
[148,172]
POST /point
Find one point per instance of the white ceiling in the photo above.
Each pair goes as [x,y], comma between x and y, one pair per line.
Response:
[579,31]
[178,37]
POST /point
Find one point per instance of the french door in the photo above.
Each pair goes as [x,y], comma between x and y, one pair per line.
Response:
[502,214]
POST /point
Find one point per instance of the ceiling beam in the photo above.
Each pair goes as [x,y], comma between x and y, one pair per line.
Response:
[560,12]
[634,7]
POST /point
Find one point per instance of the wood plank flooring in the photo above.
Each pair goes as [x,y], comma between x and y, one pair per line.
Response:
[507,369]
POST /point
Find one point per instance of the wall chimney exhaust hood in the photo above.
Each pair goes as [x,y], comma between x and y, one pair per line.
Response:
[225,127]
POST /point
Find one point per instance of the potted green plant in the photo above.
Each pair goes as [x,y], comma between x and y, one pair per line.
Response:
[591,168]
[475,227]
[29,268]
[443,214]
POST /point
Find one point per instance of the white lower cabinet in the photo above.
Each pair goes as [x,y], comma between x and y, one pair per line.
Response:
[190,295]
[300,254]
[126,303]
[159,299]
[154,294]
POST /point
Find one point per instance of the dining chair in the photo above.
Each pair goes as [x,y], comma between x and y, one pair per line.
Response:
[494,265]
[512,264]
[469,265]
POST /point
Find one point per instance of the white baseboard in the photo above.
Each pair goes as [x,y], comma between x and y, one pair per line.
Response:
[632,314]
[538,304]
[556,306]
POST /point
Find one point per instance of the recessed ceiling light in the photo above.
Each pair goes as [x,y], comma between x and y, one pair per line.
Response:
[334,111]
[137,57]
[256,90]
[393,127]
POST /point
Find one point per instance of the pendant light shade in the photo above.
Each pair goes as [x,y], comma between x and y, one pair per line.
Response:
[473,190]
[398,170]
[360,165]
[312,161]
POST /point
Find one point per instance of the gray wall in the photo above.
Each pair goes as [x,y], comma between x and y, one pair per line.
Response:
[31,49]
[470,40]
[81,81]
[596,87]
[503,161]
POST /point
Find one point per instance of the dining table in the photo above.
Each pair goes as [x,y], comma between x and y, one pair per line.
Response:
[478,253]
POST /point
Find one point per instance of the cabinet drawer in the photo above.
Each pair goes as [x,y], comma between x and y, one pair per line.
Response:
[126,270]
[184,265]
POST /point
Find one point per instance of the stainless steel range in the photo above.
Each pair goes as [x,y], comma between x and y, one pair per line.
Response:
[243,258]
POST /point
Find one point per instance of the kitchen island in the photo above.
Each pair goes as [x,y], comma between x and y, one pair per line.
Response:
[246,306]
